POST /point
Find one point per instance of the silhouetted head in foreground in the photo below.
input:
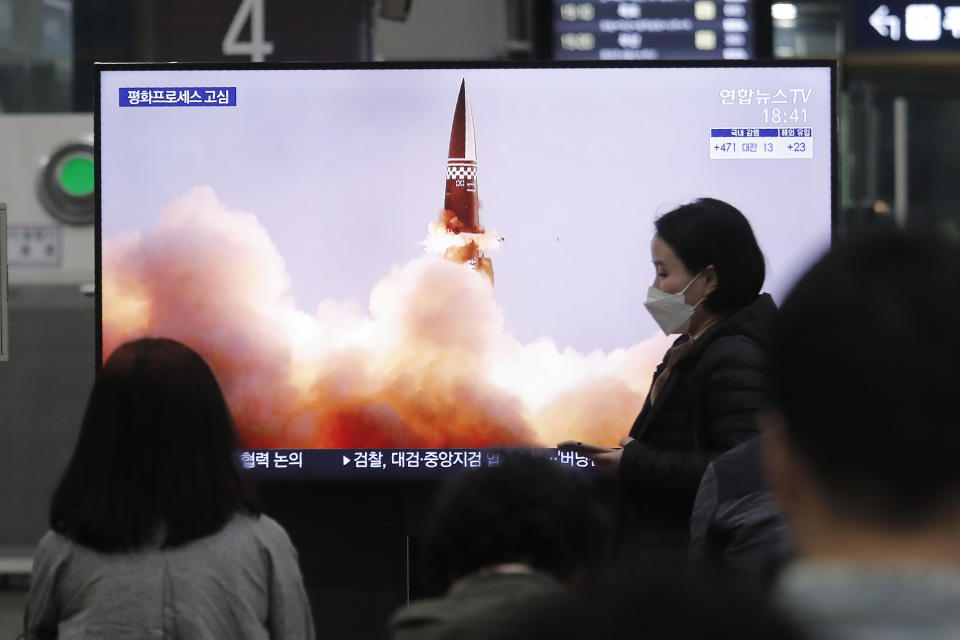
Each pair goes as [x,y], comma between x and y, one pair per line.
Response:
[526,511]
[154,462]
[864,445]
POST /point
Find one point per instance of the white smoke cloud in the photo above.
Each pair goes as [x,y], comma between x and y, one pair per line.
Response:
[427,363]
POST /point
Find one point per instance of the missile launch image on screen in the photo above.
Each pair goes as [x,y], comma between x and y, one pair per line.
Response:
[297,241]
[429,365]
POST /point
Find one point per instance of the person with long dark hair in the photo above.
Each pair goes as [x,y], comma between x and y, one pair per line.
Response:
[154,533]
[707,391]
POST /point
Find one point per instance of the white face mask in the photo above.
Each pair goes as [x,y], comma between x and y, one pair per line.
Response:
[671,310]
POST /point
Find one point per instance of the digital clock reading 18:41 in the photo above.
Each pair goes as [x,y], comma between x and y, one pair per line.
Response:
[784,116]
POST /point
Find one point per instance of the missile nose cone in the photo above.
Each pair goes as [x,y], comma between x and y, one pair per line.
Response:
[463,144]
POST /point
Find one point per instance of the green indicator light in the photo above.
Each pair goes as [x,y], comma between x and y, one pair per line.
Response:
[76,176]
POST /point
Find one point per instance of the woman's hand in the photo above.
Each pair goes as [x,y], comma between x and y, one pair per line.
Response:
[608,461]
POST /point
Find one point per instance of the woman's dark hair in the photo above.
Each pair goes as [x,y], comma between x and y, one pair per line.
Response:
[711,232]
[155,456]
[526,510]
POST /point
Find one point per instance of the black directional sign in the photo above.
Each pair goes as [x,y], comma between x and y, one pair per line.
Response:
[907,25]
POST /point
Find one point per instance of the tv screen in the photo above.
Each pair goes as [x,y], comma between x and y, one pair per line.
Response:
[405,270]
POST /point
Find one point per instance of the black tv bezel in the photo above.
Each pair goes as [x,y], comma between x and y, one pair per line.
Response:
[99,67]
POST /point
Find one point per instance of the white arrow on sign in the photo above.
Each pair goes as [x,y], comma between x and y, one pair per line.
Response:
[346,460]
[951,20]
[885,24]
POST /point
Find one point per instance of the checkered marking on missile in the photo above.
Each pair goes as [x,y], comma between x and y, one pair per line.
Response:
[461,173]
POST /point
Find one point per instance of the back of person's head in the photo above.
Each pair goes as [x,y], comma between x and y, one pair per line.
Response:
[526,510]
[864,370]
[154,461]
[654,606]
[709,232]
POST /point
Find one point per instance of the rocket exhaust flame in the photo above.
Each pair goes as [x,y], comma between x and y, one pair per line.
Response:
[439,239]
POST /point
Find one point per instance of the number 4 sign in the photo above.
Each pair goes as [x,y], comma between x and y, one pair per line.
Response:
[257,47]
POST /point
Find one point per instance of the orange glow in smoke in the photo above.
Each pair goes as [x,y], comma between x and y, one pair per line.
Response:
[409,370]
[440,238]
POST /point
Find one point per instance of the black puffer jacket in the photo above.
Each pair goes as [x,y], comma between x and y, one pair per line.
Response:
[707,405]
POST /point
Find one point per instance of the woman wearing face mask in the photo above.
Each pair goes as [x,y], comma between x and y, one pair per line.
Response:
[706,392]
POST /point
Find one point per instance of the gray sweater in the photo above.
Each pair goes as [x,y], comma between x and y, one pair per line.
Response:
[836,601]
[242,582]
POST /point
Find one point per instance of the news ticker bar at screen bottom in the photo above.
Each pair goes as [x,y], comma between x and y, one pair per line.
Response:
[375,463]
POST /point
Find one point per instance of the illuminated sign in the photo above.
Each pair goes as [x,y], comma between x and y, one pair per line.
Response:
[908,25]
[653,30]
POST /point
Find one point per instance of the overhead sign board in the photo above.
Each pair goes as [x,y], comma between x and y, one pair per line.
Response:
[907,26]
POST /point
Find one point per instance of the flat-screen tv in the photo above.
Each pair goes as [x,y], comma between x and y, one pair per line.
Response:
[405,270]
